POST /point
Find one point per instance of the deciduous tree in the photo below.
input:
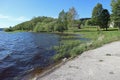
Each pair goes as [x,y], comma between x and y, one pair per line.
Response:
[116,12]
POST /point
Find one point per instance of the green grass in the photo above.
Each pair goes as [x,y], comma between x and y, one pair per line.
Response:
[65,48]
[72,48]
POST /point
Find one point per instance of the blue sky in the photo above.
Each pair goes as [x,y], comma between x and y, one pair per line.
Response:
[13,12]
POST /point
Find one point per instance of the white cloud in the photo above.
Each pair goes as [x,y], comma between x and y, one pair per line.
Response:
[11,18]
[6,21]
[3,16]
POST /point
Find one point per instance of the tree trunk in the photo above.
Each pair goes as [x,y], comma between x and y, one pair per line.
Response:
[106,28]
[79,26]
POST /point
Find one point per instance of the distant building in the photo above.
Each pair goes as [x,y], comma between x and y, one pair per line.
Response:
[111,25]
[82,19]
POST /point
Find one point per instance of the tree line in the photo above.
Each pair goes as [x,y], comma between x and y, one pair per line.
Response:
[70,20]
[64,21]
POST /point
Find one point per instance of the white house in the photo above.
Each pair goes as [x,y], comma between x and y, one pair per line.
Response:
[111,25]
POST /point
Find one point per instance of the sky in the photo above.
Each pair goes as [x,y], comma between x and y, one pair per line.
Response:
[13,12]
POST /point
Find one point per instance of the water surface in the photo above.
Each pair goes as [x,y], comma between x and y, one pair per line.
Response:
[24,51]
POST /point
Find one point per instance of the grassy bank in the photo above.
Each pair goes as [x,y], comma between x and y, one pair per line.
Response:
[72,48]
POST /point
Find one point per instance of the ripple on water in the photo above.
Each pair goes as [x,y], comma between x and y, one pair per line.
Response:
[4,54]
[25,51]
[22,52]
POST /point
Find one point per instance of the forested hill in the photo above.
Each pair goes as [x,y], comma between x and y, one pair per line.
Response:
[66,20]
[48,24]
[30,25]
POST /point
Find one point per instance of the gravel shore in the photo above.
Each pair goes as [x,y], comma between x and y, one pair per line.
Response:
[99,64]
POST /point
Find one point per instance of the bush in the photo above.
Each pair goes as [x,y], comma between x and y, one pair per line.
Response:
[39,27]
[8,29]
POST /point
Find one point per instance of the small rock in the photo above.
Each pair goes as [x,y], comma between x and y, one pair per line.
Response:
[108,54]
[64,59]
[76,67]
[111,72]
[100,60]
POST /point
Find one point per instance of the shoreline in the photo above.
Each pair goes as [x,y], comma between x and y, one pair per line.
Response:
[98,40]
[50,75]
[50,69]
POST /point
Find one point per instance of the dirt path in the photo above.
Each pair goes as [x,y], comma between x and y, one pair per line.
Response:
[99,64]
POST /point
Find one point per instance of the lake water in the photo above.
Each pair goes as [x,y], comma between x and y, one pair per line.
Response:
[23,52]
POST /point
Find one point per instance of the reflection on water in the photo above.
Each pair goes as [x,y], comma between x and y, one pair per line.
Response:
[22,52]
